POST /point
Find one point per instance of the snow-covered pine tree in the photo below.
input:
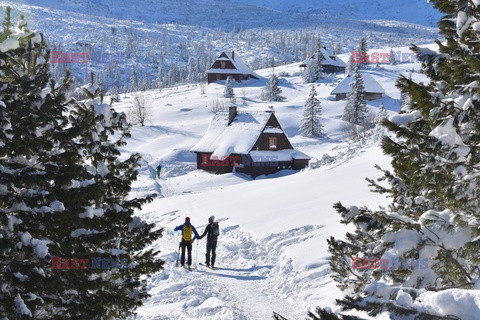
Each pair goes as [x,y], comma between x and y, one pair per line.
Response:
[312,111]
[349,67]
[363,49]
[272,91]
[310,73]
[338,49]
[64,195]
[391,58]
[133,86]
[228,91]
[356,110]
[381,115]
[314,69]
[429,235]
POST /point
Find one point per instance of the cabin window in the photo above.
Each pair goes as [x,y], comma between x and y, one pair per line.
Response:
[272,142]
[223,64]
[218,77]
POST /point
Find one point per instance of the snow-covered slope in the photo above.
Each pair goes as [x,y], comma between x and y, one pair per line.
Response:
[415,11]
[272,253]
[158,42]
[248,13]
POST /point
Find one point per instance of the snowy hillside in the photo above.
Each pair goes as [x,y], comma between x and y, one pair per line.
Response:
[415,11]
[272,253]
[266,13]
[149,44]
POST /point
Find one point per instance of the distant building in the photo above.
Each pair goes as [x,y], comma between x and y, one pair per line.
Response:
[230,65]
[250,142]
[330,62]
[373,90]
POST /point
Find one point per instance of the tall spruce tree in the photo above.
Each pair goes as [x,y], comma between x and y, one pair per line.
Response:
[314,69]
[312,111]
[349,67]
[272,91]
[426,242]
[356,110]
[64,195]
[363,49]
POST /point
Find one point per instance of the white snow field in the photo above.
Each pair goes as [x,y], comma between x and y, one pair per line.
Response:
[272,253]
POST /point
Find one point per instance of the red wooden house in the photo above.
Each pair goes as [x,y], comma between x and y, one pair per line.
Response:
[250,142]
[230,65]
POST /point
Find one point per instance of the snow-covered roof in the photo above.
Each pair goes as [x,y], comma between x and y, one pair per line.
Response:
[231,71]
[238,137]
[240,66]
[329,59]
[371,85]
[272,130]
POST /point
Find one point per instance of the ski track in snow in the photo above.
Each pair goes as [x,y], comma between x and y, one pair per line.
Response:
[244,286]
[253,278]
[285,270]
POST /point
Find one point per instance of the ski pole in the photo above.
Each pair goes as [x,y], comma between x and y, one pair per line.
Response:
[196,257]
[178,255]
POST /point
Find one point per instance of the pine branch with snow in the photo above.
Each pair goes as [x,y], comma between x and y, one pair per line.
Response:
[419,258]
[64,194]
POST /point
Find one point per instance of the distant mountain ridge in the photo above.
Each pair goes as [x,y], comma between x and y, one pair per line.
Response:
[226,14]
[413,11]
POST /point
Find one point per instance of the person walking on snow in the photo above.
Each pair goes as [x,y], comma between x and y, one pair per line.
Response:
[159,169]
[212,231]
[187,228]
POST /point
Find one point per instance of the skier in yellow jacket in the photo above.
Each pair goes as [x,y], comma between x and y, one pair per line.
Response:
[187,228]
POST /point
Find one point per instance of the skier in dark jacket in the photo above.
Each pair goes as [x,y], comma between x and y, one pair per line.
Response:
[187,240]
[212,232]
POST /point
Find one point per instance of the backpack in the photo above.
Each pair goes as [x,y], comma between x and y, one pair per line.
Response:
[215,229]
[187,232]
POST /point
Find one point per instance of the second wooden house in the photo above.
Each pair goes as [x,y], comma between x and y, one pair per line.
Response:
[330,62]
[230,65]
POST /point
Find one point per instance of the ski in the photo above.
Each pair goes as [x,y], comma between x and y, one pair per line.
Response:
[203,264]
[187,268]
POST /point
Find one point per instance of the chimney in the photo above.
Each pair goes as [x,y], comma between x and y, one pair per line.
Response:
[233,55]
[232,112]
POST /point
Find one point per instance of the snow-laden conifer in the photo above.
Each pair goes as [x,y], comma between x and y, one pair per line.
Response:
[424,245]
[272,91]
[356,110]
[228,90]
[312,111]
[64,195]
